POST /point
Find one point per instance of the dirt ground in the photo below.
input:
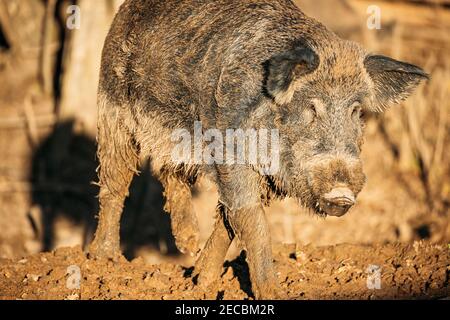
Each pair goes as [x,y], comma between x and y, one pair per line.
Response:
[334,272]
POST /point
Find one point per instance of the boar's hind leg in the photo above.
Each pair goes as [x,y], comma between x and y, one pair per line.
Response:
[118,157]
[210,263]
[182,216]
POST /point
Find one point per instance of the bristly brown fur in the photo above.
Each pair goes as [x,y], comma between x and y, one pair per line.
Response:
[247,64]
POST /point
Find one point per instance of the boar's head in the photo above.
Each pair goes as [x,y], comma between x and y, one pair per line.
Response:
[319,94]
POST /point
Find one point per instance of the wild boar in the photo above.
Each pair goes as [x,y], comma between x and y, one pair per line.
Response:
[235,64]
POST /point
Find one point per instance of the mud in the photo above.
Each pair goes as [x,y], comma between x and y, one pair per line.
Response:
[416,271]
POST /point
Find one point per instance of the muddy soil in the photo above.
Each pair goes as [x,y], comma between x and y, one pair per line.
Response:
[417,271]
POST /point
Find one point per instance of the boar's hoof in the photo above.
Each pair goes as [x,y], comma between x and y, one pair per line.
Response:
[270,292]
[186,234]
[186,241]
[105,252]
[337,202]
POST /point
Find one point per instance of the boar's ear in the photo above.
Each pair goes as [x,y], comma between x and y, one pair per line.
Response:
[393,81]
[285,68]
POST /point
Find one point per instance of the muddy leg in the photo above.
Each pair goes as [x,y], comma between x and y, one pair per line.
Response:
[118,162]
[210,263]
[252,229]
[183,219]
[239,189]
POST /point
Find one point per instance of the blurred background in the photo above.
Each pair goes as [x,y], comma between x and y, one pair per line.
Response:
[48,84]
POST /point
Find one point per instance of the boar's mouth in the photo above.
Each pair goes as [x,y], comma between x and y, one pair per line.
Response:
[337,202]
[329,185]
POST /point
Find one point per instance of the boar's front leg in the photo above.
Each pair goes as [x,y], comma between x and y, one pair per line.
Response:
[252,229]
[208,266]
[183,219]
[239,192]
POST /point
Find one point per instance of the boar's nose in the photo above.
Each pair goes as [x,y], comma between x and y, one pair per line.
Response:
[337,202]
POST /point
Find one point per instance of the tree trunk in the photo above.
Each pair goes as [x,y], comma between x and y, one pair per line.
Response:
[81,62]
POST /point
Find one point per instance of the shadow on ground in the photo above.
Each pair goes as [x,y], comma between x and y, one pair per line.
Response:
[63,171]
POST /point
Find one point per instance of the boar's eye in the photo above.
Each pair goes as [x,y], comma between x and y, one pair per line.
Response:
[356,110]
[313,109]
[310,113]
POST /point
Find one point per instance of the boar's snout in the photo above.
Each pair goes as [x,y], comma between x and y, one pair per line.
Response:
[337,202]
[329,184]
